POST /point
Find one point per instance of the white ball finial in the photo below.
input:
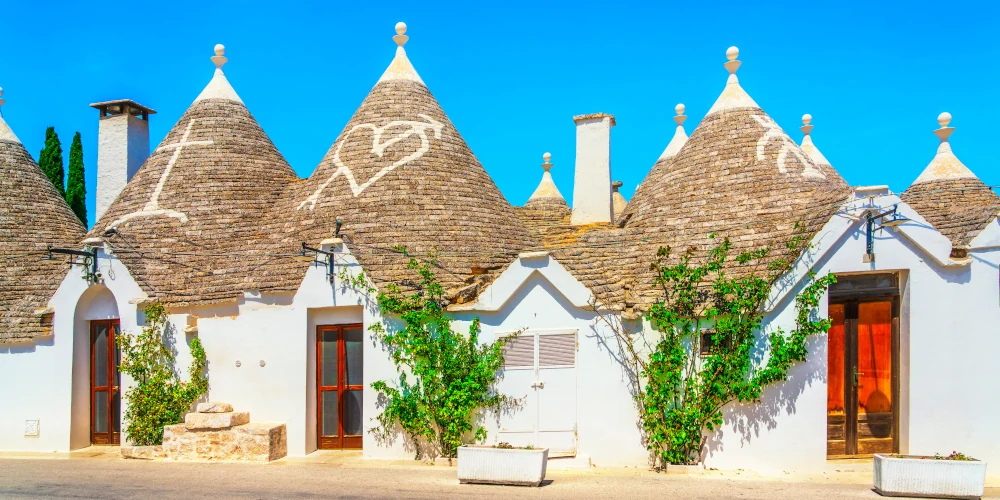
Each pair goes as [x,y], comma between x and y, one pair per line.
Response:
[219,59]
[732,53]
[679,109]
[400,37]
[807,119]
[546,157]
[944,119]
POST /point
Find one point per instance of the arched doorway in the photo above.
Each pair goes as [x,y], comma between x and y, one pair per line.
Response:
[96,413]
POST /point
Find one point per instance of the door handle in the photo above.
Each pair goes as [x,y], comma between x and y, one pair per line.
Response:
[539,384]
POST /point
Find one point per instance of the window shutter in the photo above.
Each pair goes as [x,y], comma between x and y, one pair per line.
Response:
[557,350]
[520,352]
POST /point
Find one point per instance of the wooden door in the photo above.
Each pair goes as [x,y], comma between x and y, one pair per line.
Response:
[339,386]
[863,382]
[105,381]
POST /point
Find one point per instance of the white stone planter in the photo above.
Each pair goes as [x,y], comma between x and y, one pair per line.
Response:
[480,464]
[913,476]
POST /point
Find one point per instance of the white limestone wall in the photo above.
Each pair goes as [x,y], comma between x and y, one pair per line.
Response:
[44,377]
[122,147]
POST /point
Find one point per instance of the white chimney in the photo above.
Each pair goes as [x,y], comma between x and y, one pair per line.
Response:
[592,182]
[122,147]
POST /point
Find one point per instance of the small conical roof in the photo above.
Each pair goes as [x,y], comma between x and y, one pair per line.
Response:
[400,174]
[810,149]
[949,196]
[646,196]
[32,216]
[546,195]
[203,194]
[738,175]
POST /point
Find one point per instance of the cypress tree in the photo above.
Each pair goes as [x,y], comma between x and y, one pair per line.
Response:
[76,185]
[51,162]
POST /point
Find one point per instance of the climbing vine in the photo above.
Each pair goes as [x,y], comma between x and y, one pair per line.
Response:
[705,354]
[446,378]
[158,397]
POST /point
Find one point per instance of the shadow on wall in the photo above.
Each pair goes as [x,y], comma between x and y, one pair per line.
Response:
[747,419]
[27,346]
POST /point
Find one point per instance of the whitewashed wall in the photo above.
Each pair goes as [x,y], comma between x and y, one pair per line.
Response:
[48,379]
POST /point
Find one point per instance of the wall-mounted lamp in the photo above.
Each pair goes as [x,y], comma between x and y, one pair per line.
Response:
[89,261]
[336,230]
[879,219]
[305,255]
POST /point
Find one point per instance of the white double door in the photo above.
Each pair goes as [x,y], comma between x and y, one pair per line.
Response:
[540,367]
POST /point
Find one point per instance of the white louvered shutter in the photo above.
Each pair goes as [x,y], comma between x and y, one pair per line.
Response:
[557,350]
[520,352]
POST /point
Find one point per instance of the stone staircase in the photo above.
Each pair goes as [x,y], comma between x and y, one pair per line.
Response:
[215,432]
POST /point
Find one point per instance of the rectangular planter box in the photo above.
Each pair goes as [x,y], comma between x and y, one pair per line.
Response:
[913,476]
[480,464]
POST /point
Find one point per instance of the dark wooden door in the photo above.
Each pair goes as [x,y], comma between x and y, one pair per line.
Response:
[339,386]
[105,382]
[862,378]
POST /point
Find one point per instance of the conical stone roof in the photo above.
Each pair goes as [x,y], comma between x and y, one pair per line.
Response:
[949,196]
[32,216]
[738,175]
[189,221]
[400,174]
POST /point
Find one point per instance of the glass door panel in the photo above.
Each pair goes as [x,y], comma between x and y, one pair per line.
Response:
[836,432]
[873,377]
[105,401]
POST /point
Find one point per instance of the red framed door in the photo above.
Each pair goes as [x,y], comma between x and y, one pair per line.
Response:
[339,386]
[105,382]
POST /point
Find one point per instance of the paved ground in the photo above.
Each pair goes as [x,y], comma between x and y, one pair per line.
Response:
[32,479]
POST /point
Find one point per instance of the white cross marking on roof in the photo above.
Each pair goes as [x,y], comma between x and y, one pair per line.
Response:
[773,131]
[153,205]
[378,147]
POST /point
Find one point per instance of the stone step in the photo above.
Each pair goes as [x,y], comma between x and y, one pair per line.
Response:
[215,421]
[214,408]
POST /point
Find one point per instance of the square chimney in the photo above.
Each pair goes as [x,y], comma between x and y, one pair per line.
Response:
[122,147]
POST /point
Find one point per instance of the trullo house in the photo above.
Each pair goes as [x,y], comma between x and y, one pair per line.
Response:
[211,223]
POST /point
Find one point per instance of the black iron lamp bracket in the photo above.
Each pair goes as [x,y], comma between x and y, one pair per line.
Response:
[330,259]
[89,260]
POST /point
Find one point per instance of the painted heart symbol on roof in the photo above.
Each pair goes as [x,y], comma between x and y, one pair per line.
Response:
[414,128]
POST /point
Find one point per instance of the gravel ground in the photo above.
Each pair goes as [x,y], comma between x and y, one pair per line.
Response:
[32,479]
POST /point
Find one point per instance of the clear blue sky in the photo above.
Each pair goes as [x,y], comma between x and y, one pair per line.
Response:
[511,75]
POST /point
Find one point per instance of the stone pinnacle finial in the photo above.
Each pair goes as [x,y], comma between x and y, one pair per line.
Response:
[945,131]
[1,97]
[548,164]
[615,185]
[806,127]
[732,64]
[679,119]
[219,58]
[400,37]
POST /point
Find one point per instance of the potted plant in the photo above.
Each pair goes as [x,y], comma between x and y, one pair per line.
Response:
[502,464]
[952,476]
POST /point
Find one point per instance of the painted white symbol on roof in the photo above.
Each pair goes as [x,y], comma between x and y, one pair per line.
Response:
[379,147]
[152,207]
[773,131]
